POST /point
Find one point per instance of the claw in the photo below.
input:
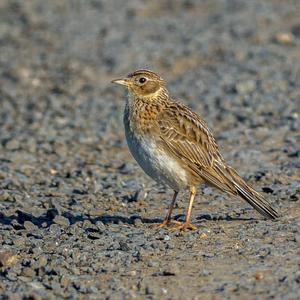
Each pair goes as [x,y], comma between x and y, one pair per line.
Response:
[165,223]
[183,226]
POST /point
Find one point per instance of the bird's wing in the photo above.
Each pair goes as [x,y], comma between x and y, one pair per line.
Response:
[184,134]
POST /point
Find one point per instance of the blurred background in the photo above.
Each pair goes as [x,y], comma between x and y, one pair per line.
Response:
[234,62]
[63,156]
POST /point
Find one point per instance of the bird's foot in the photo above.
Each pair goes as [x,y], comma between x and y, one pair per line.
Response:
[165,223]
[183,226]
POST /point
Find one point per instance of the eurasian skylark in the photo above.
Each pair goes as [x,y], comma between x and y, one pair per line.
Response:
[174,146]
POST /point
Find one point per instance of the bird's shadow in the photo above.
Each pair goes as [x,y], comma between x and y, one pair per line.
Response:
[215,217]
[47,219]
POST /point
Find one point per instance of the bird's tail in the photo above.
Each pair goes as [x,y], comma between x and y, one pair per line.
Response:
[228,180]
[255,199]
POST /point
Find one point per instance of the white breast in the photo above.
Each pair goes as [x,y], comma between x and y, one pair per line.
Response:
[156,163]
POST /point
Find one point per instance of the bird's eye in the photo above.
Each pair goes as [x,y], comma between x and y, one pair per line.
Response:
[142,80]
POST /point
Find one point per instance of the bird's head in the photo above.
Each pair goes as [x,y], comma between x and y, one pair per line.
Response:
[142,83]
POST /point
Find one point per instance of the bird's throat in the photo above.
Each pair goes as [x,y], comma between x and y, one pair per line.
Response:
[142,111]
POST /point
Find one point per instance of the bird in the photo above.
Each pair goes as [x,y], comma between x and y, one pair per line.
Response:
[175,147]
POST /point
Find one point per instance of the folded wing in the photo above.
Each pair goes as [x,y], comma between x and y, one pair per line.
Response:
[184,134]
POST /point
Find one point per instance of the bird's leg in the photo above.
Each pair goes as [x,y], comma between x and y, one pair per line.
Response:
[167,219]
[186,224]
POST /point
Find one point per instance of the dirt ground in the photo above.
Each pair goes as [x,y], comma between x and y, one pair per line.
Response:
[75,208]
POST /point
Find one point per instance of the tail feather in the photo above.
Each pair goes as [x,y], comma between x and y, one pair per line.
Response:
[255,199]
[228,180]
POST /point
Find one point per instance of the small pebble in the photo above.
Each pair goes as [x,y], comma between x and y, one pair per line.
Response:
[8,258]
[258,276]
[60,220]
[152,263]
[138,222]
[284,38]
[204,273]
[28,272]
[171,269]
[29,226]
[167,238]
[4,195]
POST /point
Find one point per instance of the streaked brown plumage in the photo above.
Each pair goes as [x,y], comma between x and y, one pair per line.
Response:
[174,145]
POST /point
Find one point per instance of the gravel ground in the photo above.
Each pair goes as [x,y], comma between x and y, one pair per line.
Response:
[75,208]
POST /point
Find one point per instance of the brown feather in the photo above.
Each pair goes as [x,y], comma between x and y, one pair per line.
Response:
[186,135]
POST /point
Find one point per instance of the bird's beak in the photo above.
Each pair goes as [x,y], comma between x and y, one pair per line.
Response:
[123,81]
